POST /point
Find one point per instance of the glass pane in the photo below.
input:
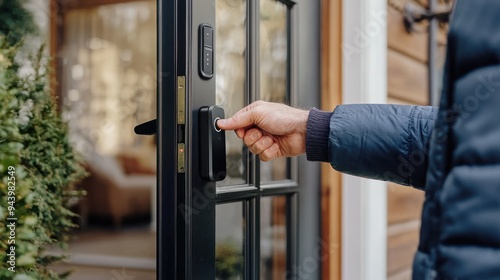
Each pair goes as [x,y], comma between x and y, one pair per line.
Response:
[108,85]
[273,51]
[273,237]
[274,170]
[273,71]
[108,78]
[229,235]
[230,75]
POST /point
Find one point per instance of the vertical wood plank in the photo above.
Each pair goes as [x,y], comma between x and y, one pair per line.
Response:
[331,91]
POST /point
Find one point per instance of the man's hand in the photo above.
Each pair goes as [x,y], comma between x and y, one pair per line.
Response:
[270,130]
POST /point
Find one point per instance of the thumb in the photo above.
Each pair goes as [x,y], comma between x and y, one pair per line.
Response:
[239,120]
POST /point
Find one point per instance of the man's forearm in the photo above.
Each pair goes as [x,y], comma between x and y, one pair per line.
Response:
[384,142]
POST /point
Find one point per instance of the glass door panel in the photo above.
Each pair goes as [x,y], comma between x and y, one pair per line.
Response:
[275,170]
[273,243]
[230,237]
[108,75]
[108,85]
[274,62]
[273,51]
[230,65]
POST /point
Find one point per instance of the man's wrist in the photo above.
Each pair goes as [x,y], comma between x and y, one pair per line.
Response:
[317,135]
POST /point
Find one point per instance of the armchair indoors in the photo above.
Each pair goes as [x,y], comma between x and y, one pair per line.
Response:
[113,192]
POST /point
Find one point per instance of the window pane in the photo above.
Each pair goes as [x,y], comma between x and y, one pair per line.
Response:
[273,237]
[273,51]
[229,235]
[274,170]
[273,71]
[108,75]
[230,75]
[108,86]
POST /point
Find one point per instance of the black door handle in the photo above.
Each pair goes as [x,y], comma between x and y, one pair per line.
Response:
[147,128]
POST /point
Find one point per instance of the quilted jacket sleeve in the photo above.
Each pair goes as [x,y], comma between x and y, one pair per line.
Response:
[384,142]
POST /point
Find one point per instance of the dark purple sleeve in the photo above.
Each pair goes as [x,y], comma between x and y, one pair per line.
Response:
[318,131]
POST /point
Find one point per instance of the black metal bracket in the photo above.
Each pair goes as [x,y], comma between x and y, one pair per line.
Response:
[435,14]
[414,13]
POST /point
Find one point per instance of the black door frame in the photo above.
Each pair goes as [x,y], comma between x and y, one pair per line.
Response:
[184,236]
[167,239]
[186,215]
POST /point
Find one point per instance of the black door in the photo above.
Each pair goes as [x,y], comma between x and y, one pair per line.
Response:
[248,226]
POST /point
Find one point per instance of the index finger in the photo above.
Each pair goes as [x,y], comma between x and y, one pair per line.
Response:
[238,121]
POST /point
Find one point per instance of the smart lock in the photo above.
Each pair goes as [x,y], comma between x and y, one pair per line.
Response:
[206,57]
[212,144]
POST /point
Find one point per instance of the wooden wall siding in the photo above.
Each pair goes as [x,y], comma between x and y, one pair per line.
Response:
[407,78]
[403,275]
[392,100]
[404,204]
[331,91]
[411,45]
[401,250]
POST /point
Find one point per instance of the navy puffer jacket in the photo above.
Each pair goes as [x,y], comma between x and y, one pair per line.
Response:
[452,154]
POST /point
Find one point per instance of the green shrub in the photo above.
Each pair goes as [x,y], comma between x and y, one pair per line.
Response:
[34,142]
[16,20]
[228,261]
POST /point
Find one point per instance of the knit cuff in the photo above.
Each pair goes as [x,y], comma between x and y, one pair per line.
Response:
[318,132]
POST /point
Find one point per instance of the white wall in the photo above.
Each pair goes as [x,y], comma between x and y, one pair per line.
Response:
[364,202]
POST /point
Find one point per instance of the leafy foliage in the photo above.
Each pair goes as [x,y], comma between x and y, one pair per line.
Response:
[34,140]
[228,261]
[17,21]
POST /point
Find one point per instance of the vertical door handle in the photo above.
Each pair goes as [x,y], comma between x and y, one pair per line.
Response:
[212,144]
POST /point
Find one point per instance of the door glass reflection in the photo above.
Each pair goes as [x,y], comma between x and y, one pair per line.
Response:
[273,51]
[108,85]
[229,235]
[273,237]
[230,75]
[273,71]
